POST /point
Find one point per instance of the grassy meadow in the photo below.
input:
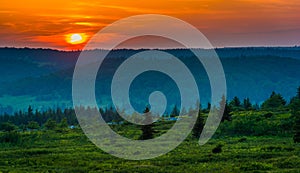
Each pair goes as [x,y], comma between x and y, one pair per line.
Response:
[238,146]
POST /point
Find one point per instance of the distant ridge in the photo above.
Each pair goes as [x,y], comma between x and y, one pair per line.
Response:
[291,52]
[42,77]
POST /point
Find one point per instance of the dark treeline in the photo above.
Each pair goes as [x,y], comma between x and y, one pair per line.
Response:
[58,115]
[41,117]
[274,103]
[35,119]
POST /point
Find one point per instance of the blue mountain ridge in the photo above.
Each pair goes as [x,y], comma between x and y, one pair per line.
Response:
[43,77]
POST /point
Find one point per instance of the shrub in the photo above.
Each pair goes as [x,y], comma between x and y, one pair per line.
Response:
[7,127]
[198,127]
[242,139]
[296,137]
[50,124]
[268,115]
[10,137]
[217,149]
[33,125]
[64,123]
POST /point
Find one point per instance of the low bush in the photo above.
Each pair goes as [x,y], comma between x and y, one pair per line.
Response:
[217,149]
[10,137]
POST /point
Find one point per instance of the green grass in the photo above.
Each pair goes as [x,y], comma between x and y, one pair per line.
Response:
[71,151]
[268,148]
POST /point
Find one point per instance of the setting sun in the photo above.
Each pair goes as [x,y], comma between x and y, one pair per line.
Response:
[76,38]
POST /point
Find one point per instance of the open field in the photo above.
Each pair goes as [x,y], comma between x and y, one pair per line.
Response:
[70,151]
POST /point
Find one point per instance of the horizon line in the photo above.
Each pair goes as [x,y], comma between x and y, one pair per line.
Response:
[136,49]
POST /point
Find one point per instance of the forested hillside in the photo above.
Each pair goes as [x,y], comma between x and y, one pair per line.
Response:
[42,77]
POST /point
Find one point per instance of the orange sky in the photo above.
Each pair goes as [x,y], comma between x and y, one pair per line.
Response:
[45,23]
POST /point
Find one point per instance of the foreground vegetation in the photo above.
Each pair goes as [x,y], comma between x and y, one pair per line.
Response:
[70,151]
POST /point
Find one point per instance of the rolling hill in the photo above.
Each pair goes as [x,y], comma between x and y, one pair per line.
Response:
[43,77]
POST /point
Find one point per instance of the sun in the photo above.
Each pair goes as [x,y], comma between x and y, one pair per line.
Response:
[76,38]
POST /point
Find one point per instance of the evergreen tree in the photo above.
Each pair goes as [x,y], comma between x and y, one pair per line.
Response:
[297,128]
[207,109]
[7,127]
[274,102]
[147,129]
[295,111]
[294,105]
[29,114]
[227,110]
[298,92]
[50,124]
[37,117]
[30,111]
[33,125]
[235,104]
[247,104]
[58,115]
[198,127]
[63,123]
[256,106]
[175,112]
[295,102]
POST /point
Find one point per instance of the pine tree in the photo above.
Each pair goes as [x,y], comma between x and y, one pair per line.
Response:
[175,111]
[147,129]
[7,127]
[227,110]
[30,113]
[37,117]
[235,103]
[247,104]
[208,106]
[274,102]
[297,128]
[298,92]
[256,106]
[33,125]
[63,123]
[199,125]
[50,124]
[295,111]
[207,109]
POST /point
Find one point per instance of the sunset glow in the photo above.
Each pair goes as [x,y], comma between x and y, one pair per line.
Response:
[225,23]
[76,38]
